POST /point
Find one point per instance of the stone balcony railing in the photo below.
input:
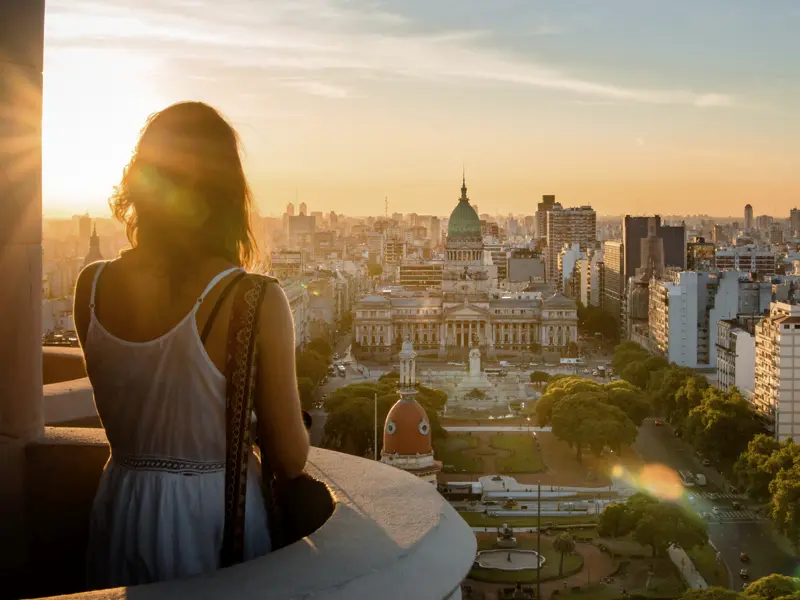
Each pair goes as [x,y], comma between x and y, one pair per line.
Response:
[391,535]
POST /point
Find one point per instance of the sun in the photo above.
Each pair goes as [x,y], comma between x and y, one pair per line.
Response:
[95,103]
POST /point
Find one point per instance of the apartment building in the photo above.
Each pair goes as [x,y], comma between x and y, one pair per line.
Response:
[777,370]
[746,258]
[565,227]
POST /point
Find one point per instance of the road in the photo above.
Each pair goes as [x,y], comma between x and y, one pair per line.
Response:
[731,531]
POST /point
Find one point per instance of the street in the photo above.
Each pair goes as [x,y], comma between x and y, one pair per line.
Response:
[731,531]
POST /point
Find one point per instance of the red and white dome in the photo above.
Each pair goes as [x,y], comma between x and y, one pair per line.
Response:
[407,431]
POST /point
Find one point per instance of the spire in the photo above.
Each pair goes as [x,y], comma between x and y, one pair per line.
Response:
[463,185]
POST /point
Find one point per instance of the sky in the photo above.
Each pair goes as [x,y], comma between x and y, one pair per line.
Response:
[632,106]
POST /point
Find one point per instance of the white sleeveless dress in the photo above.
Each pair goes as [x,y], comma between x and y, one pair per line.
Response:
[159,509]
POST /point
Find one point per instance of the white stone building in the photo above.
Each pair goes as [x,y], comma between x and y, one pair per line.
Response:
[468,311]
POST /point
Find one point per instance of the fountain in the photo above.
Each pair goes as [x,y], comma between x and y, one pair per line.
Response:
[505,537]
[509,560]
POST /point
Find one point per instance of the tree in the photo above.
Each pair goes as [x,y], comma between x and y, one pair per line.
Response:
[772,587]
[662,524]
[308,392]
[594,320]
[712,593]
[663,385]
[636,372]
[540,377]
[584,422]
[626,353]
[689,395]
[544,406]
[346,321]
[321,347]
[613,521]
[572,350]
[631,401]
[721,426]
[785,490]
[312,365]
[563,544]
[754,469]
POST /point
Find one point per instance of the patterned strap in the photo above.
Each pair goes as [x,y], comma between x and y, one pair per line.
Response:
[240,373]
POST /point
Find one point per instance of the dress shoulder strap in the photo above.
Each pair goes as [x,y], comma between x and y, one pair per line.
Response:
[94,284]
[214,281]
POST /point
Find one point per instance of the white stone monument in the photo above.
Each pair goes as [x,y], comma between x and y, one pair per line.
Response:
[475,363]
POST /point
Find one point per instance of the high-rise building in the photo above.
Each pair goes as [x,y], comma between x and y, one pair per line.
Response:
[637,229]
[686,306]
[613,259]
[764,222]
[794,222]
[568,226]
[777,379]
[547,203]
[748,217]
[290,209]
[303,209]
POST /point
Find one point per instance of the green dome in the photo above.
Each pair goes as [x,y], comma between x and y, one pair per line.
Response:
[464,221]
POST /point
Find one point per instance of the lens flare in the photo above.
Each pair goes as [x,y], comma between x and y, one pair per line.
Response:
[661,481]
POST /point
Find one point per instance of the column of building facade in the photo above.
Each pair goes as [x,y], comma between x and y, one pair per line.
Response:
[21,419]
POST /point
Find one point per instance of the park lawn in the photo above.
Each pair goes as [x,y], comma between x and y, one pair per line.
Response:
[450,449]
[593,592]
[705,559]
[475,519]
[524,458]
[572,563]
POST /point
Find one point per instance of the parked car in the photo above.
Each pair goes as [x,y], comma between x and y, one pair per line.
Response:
[658,422]
[744,574]
[706,462]
[736,505]
[744,557]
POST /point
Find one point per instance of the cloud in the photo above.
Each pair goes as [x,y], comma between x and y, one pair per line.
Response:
[331,48]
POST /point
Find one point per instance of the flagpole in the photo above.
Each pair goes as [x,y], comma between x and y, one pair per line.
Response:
[538,539]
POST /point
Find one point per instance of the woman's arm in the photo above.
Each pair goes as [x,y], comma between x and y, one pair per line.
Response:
[278,402]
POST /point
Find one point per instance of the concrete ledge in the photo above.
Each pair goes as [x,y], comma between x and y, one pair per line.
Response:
[391,535]
[69,401]
[62,364]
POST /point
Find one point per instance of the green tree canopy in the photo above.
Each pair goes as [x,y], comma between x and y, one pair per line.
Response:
[721,426]
[321,347]
[540,377]
[312,365]
[308,392]
[583,421]
[595,320]
[563,544]
[785,491]
[772,587]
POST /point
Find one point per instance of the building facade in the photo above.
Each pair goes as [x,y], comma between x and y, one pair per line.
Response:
[777,370]
[468,311]
[566,227]
[747,258]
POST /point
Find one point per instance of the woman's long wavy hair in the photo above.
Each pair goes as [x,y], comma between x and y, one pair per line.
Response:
[184,193]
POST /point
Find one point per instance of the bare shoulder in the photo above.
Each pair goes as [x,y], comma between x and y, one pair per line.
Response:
[275,308]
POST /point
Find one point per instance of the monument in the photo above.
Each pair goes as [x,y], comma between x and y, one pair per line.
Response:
[475,379]
[506,538]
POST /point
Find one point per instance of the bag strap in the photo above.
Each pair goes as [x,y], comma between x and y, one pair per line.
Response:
[240,373]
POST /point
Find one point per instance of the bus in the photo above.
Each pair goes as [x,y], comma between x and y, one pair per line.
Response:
[687,479]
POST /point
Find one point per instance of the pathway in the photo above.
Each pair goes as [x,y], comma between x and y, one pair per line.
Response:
[497,428]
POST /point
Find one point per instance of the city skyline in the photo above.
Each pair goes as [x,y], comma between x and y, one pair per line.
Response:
[345,103]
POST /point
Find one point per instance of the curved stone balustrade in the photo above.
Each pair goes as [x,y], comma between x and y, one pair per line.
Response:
[62,364]
[67,396]
[391,535]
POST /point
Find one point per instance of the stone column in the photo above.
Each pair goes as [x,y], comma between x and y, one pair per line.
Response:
[21,64]
[469,341]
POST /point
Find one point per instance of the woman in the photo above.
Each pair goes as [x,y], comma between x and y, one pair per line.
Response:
[159,388]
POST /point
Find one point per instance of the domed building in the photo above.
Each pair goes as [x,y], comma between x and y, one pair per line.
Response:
[407,431]
[469,311]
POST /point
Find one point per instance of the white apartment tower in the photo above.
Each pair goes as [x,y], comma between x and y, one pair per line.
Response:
[777,373]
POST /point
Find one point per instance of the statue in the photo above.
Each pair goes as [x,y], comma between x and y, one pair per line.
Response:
[475,363]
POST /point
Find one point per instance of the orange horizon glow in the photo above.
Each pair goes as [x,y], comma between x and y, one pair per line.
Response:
[341,106]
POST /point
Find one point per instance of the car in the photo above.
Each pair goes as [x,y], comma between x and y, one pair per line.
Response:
[658,422]
[586,371]
[736,505]
[744,574]
[744,557]
[595,373]
[706,462]
[715,509]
